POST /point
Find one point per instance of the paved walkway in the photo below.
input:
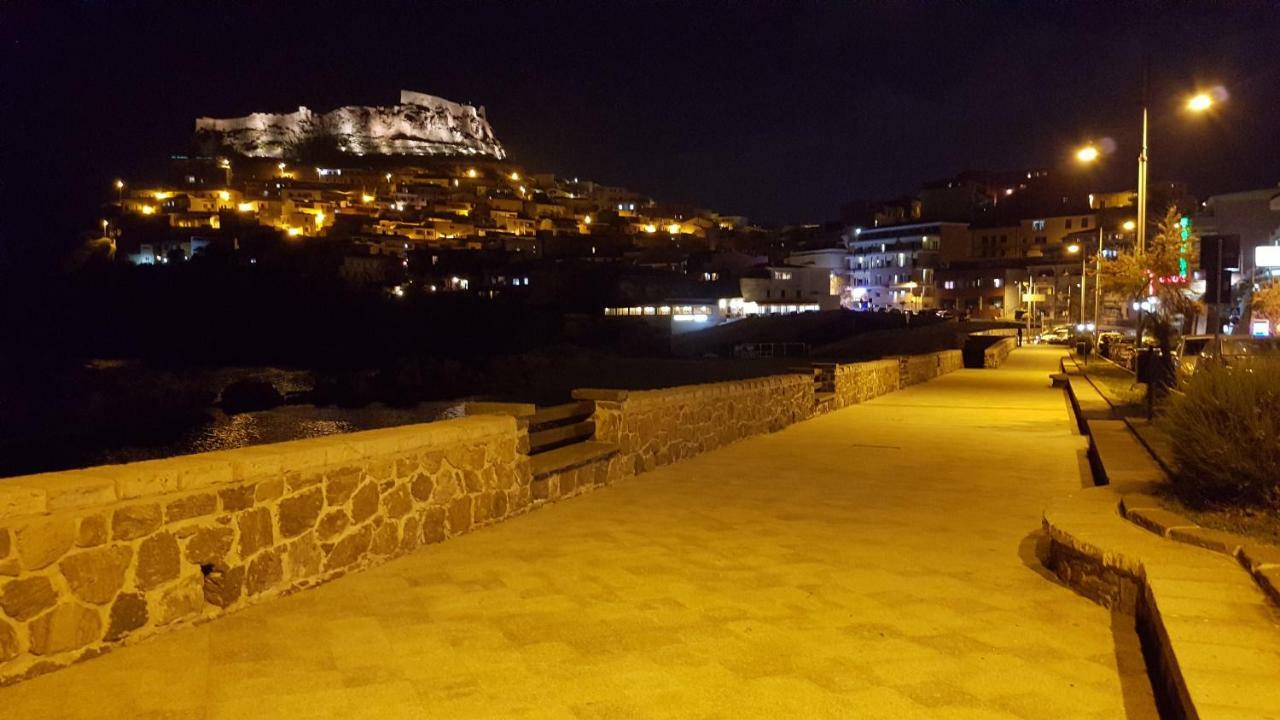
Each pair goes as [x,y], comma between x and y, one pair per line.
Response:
[877,562]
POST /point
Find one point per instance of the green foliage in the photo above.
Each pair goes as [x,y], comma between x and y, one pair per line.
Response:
[1130,274]
[1226,434]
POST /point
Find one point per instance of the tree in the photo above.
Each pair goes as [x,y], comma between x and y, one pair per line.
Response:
[1160,274]
[1266,302]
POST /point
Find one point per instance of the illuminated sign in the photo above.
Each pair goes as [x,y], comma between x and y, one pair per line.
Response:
[1266,256]
[1260,328]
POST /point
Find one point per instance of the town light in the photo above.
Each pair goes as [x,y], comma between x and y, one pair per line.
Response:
[367,198]
[281,166]
[148,210]
[223,195]
[119,184]
[471,172]
[586,220]
[1200,102]
[515,176]
[162,195]
[319,219]
[673,228]
[294,231]
[1129,225]
[1073,248]
[105,223]
[388,177]
[651,228]
[245,207]
[1087,154]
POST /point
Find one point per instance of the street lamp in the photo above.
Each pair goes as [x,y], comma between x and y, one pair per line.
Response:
[119,192]
[1200,102]
[1129,225]
[1087,154]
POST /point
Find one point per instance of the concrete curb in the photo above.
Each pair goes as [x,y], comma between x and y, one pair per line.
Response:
[1212,640]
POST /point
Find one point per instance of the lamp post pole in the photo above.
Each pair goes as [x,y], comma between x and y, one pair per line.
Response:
[1142,186]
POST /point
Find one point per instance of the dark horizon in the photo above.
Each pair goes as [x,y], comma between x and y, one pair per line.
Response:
[778,112]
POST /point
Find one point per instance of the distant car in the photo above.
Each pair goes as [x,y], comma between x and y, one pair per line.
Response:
[1196,350]
[1056,336]
[1107,342]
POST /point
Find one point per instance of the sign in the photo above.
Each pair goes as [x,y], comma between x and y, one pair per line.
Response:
[1260,328]
[1266,256]
[1033,297]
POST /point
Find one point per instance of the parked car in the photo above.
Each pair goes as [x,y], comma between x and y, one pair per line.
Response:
[1060,335]
[1107,341]
[1196,350]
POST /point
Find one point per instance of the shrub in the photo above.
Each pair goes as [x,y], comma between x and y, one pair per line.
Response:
[1226,434]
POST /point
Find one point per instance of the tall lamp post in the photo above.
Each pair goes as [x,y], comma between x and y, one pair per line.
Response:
[1198,103]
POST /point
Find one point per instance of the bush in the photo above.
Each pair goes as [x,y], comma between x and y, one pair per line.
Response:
[1226,434]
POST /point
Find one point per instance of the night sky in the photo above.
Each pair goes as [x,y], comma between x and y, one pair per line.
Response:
[780,111]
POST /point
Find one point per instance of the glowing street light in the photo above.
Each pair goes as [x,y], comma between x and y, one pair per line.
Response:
[1200,102]
[119,192]
[1073,248]
[1087,154]
[1129,225]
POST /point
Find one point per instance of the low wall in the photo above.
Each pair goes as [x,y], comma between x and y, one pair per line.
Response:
[657,427]
[99,557]
[996,353]
[922,368]
[859,382]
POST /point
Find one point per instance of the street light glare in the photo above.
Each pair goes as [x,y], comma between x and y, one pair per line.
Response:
[1073,248]
[1129,225]
[1087,154]
[1200,102]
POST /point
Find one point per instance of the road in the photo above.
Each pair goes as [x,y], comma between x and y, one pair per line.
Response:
[876,562]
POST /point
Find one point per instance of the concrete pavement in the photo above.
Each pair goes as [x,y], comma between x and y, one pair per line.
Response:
[874,562]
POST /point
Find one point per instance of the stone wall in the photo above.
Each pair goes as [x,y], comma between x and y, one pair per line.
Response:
[996,353]
[94,558]
[925,367]
[859,382]
[657,427]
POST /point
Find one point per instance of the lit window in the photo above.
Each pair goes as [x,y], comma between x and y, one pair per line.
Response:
[949,285]
[998,282]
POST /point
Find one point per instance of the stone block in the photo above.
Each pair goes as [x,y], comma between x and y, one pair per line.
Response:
[349,549]
[131,523]
[95,576]
[499,510]
[265,572]
[158,561]
[364,504]
[269,490]
[9,645]
[299,513]
[255,531]
[191,506]
[481,506]
[397,503]
[421,487]
[92,531]
[433,525]
[128,613]
[432,462]
[341,484]
[303,557]
[182,601]
[41,542]
[9,567]
[410,533]
[4,543]
[332,524]
[25,598]
[238,498]
[386,540]
[1158,520]
[1216,540]
[68,626]
[448,487]
[209,546]
[222,587]
[75,490]
[1256,555]
[460,515]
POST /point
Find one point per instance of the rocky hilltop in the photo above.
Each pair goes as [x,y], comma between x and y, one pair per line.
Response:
[420,124]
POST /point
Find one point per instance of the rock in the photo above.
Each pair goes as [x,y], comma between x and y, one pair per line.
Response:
[269,490]
[249,395]
[341,484]
[131,523]
[422,487]
[398,502]
[433,521]
[182,601]
[128,613]
[298,514]
[158,561]
[364,503]
[350,549]
[69,626]
[95,576]
[41,542]
[255,531]
[432,461]
[190,507]
[239,498]
[386,540]
[304,557]
[265,572]
[295,481]
[332,524]
[9,647]
[92,532]
[4,542]
[222,587]
[9,567]
[499,510]
[209,546]
[460,515]
[24,599]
